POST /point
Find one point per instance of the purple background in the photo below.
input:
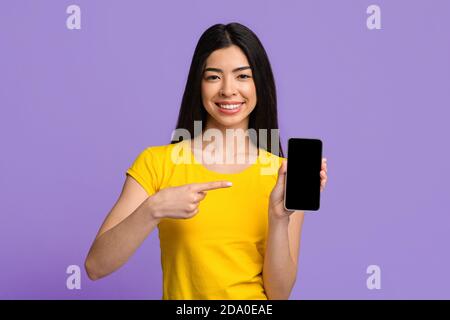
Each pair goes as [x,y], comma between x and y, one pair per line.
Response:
[77,106]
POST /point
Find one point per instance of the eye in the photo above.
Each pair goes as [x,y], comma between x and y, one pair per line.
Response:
[245,76]
[210,78]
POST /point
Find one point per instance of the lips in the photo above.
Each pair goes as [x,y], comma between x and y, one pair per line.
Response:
[230,108]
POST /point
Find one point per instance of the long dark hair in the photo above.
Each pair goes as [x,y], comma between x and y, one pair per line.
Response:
[218,36]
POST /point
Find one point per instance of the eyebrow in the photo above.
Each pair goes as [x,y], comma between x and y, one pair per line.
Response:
[221,71]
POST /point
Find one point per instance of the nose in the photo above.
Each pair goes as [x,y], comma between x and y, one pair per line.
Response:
[228,88]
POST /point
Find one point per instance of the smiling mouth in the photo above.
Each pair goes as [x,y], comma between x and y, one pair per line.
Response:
[229,106]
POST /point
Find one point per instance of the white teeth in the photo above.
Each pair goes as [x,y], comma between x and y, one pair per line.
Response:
[229,106]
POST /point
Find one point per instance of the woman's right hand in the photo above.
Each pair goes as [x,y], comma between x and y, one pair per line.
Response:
[181,202]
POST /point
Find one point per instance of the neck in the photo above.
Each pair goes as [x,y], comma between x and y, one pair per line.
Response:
[237,143]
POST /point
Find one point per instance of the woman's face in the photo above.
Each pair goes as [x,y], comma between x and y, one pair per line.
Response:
[228,89]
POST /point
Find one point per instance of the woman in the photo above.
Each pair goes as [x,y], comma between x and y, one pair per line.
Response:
[223,229]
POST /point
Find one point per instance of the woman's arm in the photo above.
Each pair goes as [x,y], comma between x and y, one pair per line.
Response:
[134,217]
[281,257]
[123,231]
[283,240]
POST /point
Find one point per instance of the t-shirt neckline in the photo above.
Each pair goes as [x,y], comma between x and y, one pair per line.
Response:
[242,172]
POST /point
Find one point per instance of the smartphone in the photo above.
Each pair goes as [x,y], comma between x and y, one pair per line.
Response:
[302,184]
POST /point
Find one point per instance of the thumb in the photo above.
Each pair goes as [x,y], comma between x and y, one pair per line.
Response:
[282,172]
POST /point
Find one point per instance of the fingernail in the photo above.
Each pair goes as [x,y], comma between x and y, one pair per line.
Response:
[229,183]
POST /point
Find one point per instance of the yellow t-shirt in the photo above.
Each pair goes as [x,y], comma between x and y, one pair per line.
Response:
[218,253]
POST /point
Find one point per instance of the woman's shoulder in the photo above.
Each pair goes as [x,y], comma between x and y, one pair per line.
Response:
[160,152]
[272,156]
[270,162]
[151,167]
[167,156]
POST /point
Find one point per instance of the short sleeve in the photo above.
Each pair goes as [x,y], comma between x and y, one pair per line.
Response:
[144,171]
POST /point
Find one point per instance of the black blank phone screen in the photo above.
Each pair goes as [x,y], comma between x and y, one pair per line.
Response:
[303,174]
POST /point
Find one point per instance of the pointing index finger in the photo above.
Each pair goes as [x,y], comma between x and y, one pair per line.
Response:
[212,185]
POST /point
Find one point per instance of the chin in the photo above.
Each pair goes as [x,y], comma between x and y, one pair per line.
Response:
[231,124]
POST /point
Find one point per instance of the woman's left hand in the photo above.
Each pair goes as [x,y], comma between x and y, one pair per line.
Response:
[276,206]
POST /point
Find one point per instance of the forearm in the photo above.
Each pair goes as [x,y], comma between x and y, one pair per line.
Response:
[114,247]
[279,270]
